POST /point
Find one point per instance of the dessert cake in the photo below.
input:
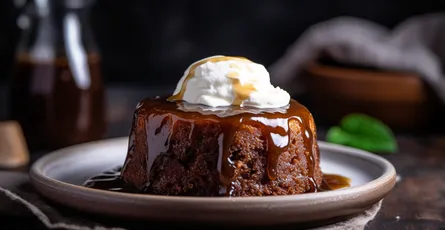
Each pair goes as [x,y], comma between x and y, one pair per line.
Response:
[226,131]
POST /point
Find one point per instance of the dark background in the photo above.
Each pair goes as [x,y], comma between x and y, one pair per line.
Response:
[153,42]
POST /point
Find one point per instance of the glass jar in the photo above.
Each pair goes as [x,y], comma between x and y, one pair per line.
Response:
[57,94]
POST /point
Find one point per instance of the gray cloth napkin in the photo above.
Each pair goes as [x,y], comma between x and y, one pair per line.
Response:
[415,45]
[18,198]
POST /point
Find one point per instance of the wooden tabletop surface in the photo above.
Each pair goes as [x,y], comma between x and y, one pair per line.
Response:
[416,202]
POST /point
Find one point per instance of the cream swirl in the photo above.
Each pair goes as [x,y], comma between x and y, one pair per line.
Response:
[223,81]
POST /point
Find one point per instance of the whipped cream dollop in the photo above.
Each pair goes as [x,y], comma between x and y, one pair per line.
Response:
[223,81]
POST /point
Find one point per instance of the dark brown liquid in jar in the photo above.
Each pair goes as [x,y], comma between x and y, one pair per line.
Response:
[55,106]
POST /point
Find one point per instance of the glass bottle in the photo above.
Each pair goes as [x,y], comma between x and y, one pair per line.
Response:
[57,94]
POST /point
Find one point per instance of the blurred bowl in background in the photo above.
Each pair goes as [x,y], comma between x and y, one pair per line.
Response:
[401,100]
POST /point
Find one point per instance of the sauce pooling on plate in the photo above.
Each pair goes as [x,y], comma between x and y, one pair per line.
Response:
[110,180]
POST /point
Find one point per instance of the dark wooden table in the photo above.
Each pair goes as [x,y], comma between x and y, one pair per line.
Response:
[416,202]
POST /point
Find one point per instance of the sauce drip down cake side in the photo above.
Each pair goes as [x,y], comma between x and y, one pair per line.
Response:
[176,148]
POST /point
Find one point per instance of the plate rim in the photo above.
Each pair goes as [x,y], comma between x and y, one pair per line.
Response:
[388,177]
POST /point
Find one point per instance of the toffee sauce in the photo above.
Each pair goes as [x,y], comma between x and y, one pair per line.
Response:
[111,181]
[161,115]
[159,118]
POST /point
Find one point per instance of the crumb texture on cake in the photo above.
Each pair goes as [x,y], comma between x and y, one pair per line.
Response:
[184,156]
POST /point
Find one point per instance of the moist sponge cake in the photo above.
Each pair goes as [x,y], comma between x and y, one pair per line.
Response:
[180,149]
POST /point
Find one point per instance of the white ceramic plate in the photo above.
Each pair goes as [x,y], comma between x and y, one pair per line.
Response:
[59,174]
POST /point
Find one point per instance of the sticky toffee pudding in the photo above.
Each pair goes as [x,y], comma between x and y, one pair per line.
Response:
[246,145]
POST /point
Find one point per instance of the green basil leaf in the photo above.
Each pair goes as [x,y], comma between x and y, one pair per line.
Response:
[365,125]
[364,132]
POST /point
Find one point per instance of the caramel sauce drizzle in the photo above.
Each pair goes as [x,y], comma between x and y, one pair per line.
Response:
[274,124]
[242,92]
